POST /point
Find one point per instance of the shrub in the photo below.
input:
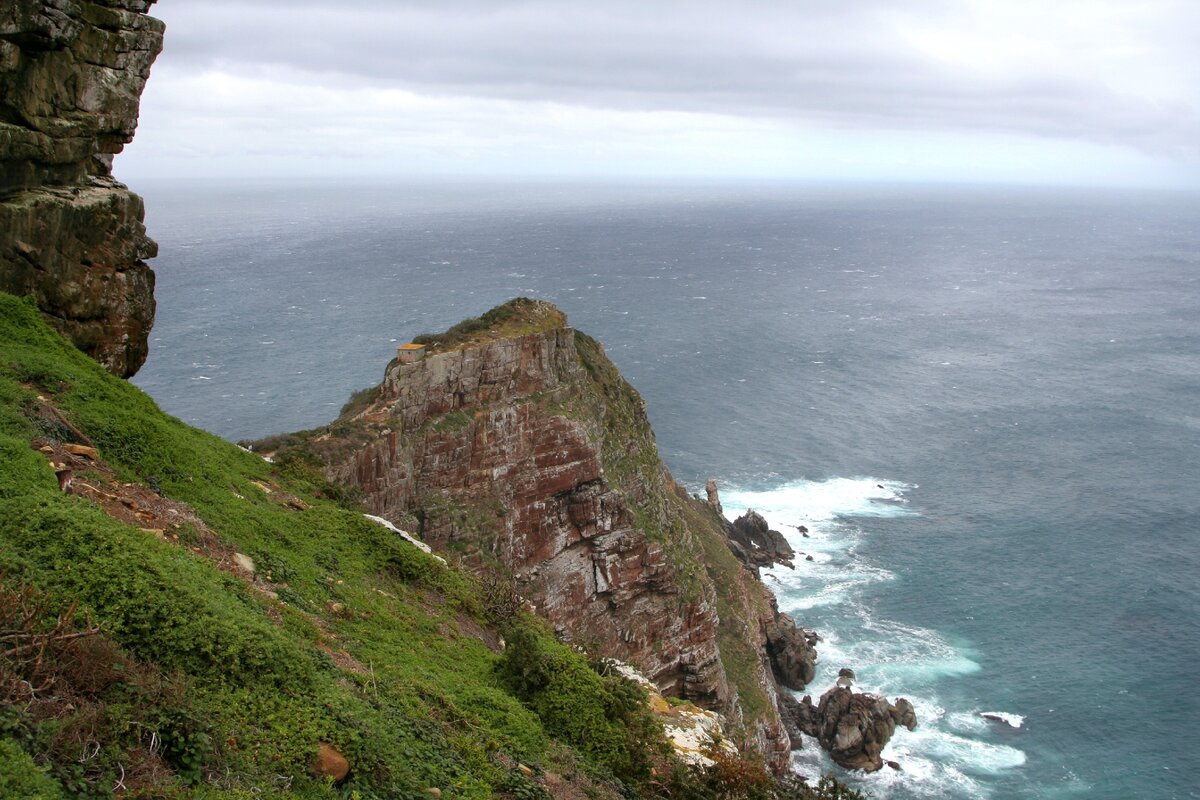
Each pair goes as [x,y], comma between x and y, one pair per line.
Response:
[360,399]
[604,718]
[21,777]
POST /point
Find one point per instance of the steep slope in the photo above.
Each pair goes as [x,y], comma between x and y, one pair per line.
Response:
[179,617]
[71,75]
[513,441]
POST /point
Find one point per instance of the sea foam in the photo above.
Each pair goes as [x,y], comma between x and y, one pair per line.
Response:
[948,755]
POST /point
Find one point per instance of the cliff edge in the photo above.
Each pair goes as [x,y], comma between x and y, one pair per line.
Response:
[71,75]
[513,442]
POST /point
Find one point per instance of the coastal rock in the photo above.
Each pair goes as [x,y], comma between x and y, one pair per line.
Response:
[853,727]
[1014,721]
[714,498]
[756,545]
[793,714]
[523,446]
[792,651]
[71,75]
[904,714]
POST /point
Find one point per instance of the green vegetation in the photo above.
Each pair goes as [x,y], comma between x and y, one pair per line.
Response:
[139,661]
[517,317]
[360,400]
[604,717]
[226,686]
[21,777]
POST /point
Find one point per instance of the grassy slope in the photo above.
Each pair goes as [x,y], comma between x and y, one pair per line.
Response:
[199,684]
[239,688]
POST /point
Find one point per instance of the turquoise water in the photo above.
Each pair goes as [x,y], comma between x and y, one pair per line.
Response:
[985,405]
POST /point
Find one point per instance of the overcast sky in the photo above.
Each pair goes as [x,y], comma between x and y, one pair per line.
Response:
[1050,91]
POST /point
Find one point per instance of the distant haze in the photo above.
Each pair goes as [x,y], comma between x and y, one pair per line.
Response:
[1098,92]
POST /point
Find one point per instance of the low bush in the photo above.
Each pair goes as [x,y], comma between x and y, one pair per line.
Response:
[20,777]
[605,718]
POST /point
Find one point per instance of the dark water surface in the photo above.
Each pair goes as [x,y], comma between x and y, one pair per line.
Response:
[985,404]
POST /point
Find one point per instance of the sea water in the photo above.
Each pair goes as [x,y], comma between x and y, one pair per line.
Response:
[983,405]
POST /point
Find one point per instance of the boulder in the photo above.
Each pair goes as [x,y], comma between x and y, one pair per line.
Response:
[329,763]
[853,727]
[791,651]
[245,563]
[756,545]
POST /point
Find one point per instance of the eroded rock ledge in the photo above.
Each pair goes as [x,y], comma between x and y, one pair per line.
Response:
[71,76]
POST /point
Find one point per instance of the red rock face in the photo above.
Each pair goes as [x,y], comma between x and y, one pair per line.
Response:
[479,446]
[568,538]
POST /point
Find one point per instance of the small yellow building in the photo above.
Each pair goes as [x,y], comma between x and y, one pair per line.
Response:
[410,353]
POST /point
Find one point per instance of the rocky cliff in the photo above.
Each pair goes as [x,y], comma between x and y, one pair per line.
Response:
[514,442]
[71,75]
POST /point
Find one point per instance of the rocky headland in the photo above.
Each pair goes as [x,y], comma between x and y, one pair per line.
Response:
[71,76]
[513,442]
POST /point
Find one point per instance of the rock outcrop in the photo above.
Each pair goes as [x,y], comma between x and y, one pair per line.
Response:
[713,496]
[853,727]
[755,544]
[71,75]
[519,447]
[793,652]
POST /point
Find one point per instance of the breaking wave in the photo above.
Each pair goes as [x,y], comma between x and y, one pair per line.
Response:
[949,754]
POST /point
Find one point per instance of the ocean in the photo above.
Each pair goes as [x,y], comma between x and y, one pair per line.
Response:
[983,403]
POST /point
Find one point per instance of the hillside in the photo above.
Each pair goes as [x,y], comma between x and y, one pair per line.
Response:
[183,618]
[515,443]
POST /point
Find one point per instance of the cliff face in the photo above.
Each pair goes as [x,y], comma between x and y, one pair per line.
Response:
[522,449]
[71,75]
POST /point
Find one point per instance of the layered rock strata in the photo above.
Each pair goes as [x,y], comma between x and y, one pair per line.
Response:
[524,451]
[71,75]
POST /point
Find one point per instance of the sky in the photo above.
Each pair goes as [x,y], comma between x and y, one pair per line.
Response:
[1103,92]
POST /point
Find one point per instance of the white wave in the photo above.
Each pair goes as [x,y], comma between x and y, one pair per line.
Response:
[969,755]
[1009,719]
[918,776]
[813,502]
[948,755]
[968,722]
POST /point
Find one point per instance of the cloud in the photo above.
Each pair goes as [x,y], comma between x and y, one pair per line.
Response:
[1104,73]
